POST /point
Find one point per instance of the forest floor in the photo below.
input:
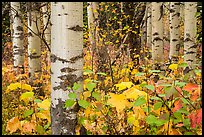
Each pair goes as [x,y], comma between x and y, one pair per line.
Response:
[130,100]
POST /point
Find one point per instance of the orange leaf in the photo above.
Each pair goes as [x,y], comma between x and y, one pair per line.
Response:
[178,105]
[28,127]
[190,87]
[13,125]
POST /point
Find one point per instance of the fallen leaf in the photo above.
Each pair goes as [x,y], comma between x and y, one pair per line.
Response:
[13,125]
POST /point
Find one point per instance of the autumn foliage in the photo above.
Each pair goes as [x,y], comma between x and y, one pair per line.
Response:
[122,100]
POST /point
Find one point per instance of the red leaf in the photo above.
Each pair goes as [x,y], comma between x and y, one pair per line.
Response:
[192,118]
[199,116]
[190,87]
[178,105]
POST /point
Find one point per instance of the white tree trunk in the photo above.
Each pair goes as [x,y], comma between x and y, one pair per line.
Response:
[66,62]
[34,44]
[157,33]
[190,30]
[174,31]
[47,28]
[17,36]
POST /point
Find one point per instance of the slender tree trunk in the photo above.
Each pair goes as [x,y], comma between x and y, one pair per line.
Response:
[149,28]
[166,25]
[34,42]
[17,37]
[174,31]
[157,34]
[47,29]
[190,30]
[66,63]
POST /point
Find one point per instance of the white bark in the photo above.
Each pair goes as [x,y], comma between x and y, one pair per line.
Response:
[34,44]
[47,28]
[66,62]
[174,30]
[17,35]
[157,33]
[190,30]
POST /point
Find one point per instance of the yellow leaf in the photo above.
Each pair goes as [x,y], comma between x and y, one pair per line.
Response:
[45,104]
[44,115]
[13,125]
[134,93]
[85,95]
[27,87]
[124,85]
[118,101]
[173,66]
[13,86]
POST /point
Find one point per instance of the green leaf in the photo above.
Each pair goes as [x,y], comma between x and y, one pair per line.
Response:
[161,95]
[72,95]
[169,91]
[83,103]
[96,95]
[40,129]
[165,85]
[180,84]
[146,109]
[37,100]
[140,101]
[186,122]
[184,100]
[188,133]
[151,119]
[155,71]
[157,105]
[76,86]
[69,103]
[91,86]
[47,126]
[101,73]
[178,115]
[160,122]
[183,110]
[69,88]
[155,98]
[87,71]
[151,87]
[26,95]
[183,65]
[139,74]
[82,120]
[28,112]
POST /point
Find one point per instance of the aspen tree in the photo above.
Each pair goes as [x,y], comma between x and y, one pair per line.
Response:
[34,42]
[157,34]
[174,31]
[66,63]
[17,36]
[190,30]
